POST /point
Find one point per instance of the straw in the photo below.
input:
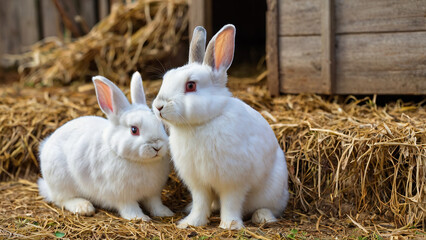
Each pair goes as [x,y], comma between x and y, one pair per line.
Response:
[131,38]
[347,158]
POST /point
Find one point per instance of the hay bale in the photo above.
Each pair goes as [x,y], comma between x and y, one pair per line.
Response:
[129,39]
[346,157]
[29,115]
[352,157]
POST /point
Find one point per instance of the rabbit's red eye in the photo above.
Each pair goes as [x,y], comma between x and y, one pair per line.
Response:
[191,86]
[134,130]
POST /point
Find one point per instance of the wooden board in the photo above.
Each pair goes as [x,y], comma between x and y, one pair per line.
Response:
[299,17]
[28,23]
[386,63]
[200,15]
[327,47]
[6,32]
[272,52]
[87,12]
[49,19]
[19,25]
[360,16]
[300,64]
[24,22]
[103,8]
[380,16]
[390,63]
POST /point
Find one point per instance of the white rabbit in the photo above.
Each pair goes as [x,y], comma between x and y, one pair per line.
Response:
[221,147]
[112,163]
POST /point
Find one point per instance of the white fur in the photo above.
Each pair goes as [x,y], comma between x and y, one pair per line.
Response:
[95,160]
[221,147]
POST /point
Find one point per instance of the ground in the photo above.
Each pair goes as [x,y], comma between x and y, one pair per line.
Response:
[24,214]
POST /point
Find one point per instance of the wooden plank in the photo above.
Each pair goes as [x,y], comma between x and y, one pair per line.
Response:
[300,64]
[87,12]
[7,34]
[299,17]
[103,8]
[380,16]
[200,15]
[386,63]
[27,23]
[7,31]
[361,16]
[49,19]
[208,18]
[327,47]
[391,63]
[196,15]
[19,26]
[272,47]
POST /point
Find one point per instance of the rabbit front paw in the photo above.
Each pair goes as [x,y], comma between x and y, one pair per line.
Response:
[80,206]
[156,207]
[162,211]
[263,215]
[230,224]
[133,211]
[192,220]
[135,216]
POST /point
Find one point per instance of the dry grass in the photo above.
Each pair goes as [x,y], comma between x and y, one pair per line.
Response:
[352,157]
[132,37]
[356,169]
[24,215]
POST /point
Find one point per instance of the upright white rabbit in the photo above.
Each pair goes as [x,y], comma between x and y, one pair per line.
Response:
[221,147]
[112,163]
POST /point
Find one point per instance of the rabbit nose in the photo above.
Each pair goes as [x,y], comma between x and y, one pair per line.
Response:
[157,148]
[159,107]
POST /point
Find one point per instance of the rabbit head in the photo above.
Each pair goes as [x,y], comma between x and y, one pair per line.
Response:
[196,93]
[134,133]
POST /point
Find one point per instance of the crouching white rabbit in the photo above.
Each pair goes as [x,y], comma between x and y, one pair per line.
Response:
[112,163]
[221,147]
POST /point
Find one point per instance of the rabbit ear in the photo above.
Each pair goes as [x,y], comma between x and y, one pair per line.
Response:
[136,89]
[198,45]
[110,98]
[220,51]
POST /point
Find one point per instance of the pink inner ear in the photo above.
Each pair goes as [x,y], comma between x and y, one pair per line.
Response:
[104,95]
[224,48]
